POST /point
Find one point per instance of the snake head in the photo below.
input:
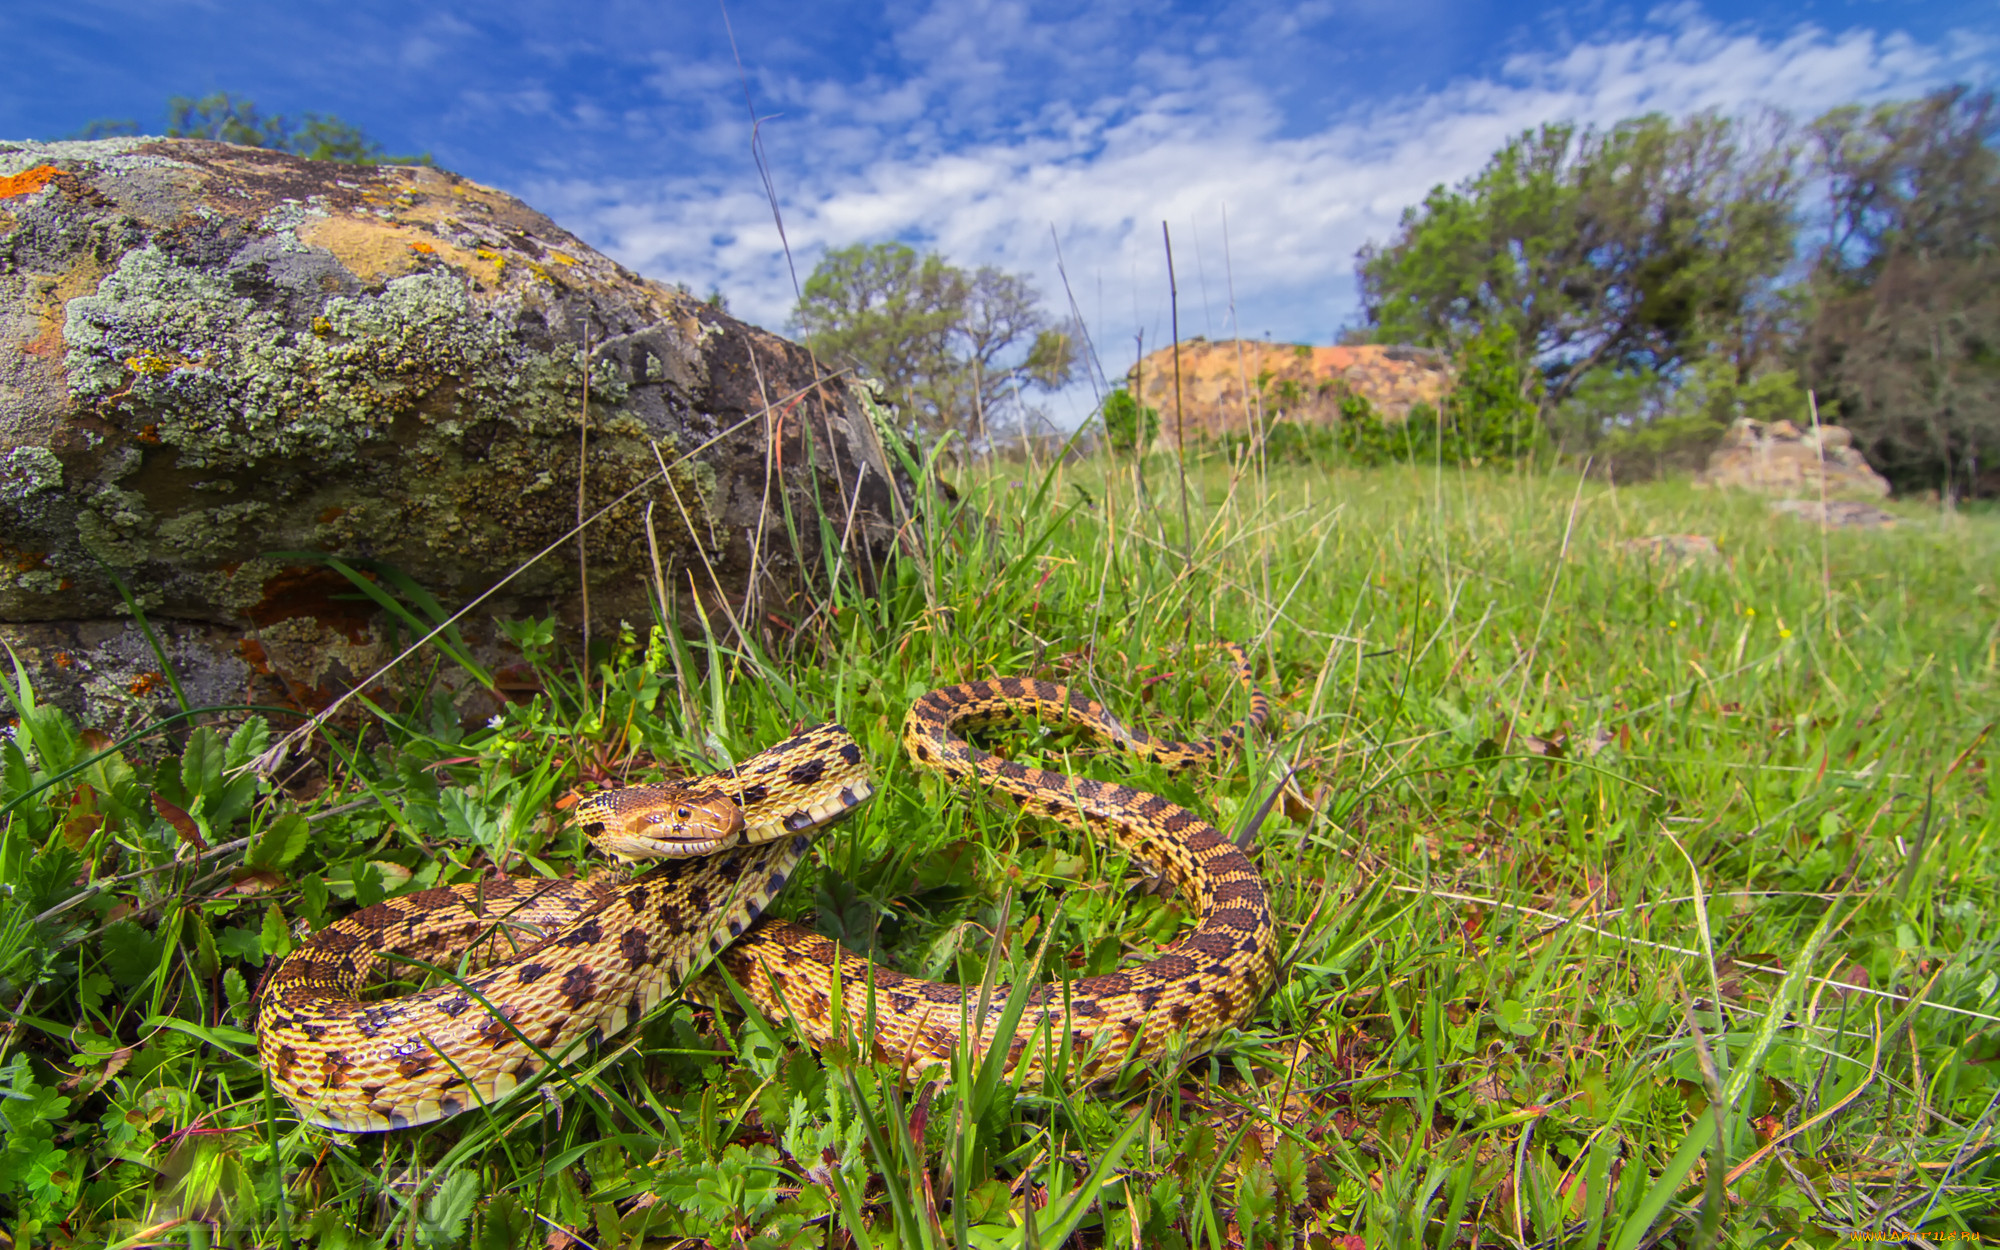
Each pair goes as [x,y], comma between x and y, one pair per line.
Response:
[660,822]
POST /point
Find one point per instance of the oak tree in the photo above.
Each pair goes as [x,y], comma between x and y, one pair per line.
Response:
[1905,337]
[954,348]
[1641,246]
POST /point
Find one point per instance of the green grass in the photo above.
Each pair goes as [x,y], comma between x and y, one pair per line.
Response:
[1623,902]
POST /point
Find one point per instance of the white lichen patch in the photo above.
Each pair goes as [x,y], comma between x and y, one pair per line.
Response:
[18,156]
[205,532]
[26,471]
[241,586]
[290,215]
[181,357]
[703,474]
[116,526]
[38,582]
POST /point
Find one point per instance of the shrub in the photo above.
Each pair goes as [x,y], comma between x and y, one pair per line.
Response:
[1128,426]
[1634,426]
[1490,415]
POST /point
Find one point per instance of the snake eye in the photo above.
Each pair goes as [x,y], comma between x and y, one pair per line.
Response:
[685,814]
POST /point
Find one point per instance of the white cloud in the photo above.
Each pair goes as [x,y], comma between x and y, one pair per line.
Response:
[1172,137]
[432,39]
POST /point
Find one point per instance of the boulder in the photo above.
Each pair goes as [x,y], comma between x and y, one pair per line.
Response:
[1781,459]
[1677,549]
[1228,386]
[1836,513]
[226,372]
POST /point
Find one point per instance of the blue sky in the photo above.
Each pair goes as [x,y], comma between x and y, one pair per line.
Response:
[979,128]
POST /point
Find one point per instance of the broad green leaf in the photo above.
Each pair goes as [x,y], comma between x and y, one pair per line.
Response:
[280,842]
[131,954]
[312,899]
[237,942]
[25,1103]
[247,743]
[207,958]
[237,991]
[276,939]
[201,766]
[447,1211]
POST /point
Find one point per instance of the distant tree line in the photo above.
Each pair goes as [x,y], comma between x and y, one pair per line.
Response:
[232,119]
[1632,289]
[1661,277]
[955,349]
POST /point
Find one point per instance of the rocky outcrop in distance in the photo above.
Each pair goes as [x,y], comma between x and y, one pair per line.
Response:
[1230,386]
[1781,459]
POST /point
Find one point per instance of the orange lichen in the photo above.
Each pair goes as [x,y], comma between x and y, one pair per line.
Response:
[147,683]
[315,594]
[51,299]
[62,659]
[30,180]
[148,434]
[376,250]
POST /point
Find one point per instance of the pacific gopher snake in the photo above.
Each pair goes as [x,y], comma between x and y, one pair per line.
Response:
[555,961]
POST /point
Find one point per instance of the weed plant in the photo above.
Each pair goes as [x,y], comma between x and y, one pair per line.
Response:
[1625,900]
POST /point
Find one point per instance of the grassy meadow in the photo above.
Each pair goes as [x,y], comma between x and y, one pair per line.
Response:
[1625,900]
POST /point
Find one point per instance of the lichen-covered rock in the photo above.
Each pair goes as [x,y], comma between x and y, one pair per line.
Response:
[1779,458]
[220,366]
[1228,386]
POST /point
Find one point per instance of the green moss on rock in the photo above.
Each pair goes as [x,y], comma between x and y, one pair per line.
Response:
[227,384]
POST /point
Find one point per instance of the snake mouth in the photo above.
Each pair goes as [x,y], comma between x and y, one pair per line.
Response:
[629,847]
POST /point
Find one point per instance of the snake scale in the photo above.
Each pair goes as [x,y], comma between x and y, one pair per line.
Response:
[538,965]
